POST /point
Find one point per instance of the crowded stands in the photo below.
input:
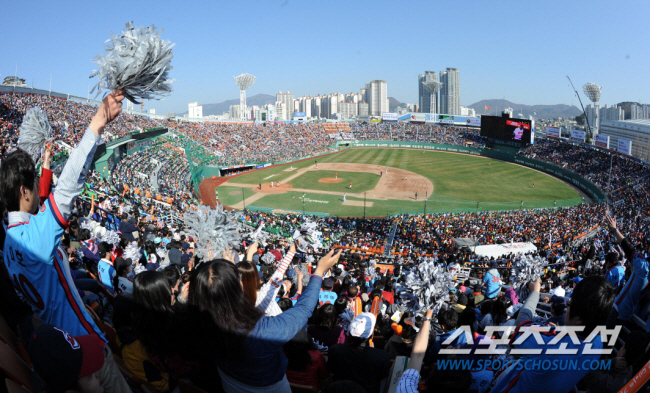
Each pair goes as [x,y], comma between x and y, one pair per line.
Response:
[114,276]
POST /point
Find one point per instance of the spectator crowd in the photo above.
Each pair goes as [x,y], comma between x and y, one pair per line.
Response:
[90,284]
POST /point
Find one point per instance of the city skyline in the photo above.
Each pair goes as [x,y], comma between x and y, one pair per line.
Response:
[528,67]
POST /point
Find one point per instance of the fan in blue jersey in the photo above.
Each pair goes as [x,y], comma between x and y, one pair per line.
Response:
[591,301]
[40,272]
[492,281]
[614,273]
[105,268]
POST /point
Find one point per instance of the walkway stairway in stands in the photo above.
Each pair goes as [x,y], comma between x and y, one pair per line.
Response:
[389,242]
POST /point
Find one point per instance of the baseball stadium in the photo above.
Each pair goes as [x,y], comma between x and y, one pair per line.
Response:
[344,249]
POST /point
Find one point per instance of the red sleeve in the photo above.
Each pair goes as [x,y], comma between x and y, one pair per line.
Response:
[45,185]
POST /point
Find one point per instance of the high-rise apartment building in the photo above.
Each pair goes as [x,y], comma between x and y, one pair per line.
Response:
[377,97]
[450,91]
[428,102]
[194,110]
[287,99]
[639,111]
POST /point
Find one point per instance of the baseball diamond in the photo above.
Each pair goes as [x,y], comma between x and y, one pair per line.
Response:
[443,181]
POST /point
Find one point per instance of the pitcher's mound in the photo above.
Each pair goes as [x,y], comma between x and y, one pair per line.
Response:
[276,189]
[330,180]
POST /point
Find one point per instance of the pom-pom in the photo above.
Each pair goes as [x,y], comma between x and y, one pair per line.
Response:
[214,230]
[111,237]
[524,270]
[132,251]
[268,258]
[35,132]
[136,61]
[308,235]
[346,318]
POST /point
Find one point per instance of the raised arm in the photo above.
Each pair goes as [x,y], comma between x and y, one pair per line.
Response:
[74,173]
[527,312]
[269,290]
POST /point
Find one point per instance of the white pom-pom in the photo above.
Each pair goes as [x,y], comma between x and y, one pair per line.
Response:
[214,230]
[132,251]
[137,61]
[35,132]
[524,270]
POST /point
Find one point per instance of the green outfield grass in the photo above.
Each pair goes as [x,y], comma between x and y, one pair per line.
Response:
[274,173]
[361,181]
[460,182]
[232,195]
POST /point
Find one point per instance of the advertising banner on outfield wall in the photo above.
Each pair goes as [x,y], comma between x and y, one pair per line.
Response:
[578,136]
[602,141]
[474,121]
[553,131]
[624,146]
[418,117]
[388,116]
[446,119]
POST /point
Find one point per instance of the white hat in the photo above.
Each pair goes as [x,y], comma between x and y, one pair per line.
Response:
[362,325]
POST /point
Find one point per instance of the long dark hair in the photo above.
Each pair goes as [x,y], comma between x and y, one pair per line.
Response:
[216,292]
[153,311]
[327,316]
[249,280]
[499,310]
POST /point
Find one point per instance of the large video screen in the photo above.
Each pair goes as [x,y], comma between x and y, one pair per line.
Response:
[514,131]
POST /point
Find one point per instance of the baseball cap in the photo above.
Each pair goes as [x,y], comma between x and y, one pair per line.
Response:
[328,283]
[362,325]
[61,359]
[121,262]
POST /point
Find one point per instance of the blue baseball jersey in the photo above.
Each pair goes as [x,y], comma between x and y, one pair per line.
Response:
[517,378]
[327,297]
[615,276]
[106,273]
[493,281]
[40,271]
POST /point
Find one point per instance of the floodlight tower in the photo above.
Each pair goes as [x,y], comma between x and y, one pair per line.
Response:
[432,86]
[592,91]
[244,81]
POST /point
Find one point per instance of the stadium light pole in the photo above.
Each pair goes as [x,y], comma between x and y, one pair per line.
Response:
[244,81]
[592,91]
[364,205]
[425,206]
[432,86]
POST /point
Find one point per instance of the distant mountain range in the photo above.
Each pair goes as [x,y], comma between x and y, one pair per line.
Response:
[541,111]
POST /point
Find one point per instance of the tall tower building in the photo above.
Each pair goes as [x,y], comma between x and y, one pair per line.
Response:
[428,102]
[450,92]
[287,99]
[377,96]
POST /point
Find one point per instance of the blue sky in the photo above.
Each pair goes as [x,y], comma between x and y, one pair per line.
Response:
[517,50]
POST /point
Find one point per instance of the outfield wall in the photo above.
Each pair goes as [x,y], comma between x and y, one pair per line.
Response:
[573,178]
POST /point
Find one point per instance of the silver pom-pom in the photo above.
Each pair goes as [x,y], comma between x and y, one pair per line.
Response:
[524,270]
[35,132]
[268,258]
[214,230]
[260,236]
[137,61]
[111,237]
[132,251]
[308,235]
